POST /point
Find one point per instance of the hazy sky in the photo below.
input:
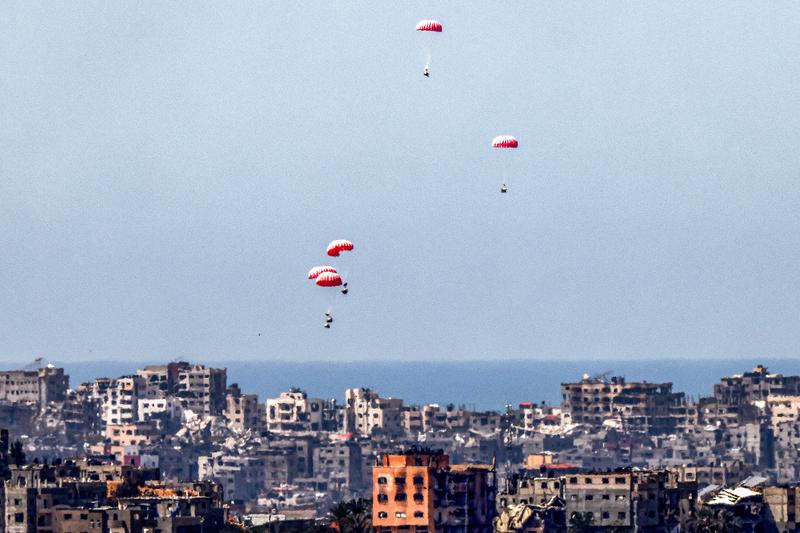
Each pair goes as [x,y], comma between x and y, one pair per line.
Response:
[170,171]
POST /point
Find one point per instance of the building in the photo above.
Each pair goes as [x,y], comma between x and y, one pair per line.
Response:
[339,464]
[753,386]
[782,507]
[242,411]
[202,389]
[367,414]
[121,402]
[639,406]
[40,387]
[167,408]
[161,380]
[294,411]
[420,491]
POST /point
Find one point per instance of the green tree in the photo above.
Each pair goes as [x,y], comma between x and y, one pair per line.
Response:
[352,516]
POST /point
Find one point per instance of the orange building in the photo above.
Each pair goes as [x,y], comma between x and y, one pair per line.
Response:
[421,492]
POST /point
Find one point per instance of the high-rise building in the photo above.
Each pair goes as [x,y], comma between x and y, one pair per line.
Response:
[638,406]
[367,414]
[421,492]
[202,389]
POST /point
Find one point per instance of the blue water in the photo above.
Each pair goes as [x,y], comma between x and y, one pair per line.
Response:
[483,385]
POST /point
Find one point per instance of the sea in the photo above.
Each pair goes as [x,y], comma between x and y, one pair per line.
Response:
[475,384]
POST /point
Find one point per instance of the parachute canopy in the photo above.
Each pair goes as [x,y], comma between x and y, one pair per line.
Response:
[505,141]
[429,25]
[317,270]
[337,246]
[329,279]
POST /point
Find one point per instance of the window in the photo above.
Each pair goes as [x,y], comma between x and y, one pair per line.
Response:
[383,514]
[400,480]
[573,480]
[605,481]
[621,515]
[605,514]
[400,514]
[419,498]
[381,480]
[418,514]
[19,517]
[619,480]
[418,480]
[588,481]
[544,484]
[589,497]
[400,497]
[606,497]
[620,498]
[383,498]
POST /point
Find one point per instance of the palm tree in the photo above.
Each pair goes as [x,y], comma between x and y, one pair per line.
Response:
[352,516]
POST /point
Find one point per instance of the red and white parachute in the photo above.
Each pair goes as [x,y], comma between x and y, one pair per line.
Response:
[317,270]
[328,279]
[505,141]
[429,25]
[337,246]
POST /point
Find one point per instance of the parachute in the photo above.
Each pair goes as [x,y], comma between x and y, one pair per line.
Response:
[432,27]
[505,141]
[317,270]
[328,279]
[337,246]
[429,25]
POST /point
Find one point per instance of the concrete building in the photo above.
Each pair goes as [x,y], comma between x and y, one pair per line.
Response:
[781,508]
[134,434]
[166,408]
[420,491]
[121,401]
[161,380]
[40,387]
[202,389]
[241,477]
[294,411]
[367,414]
[639,406]
[242,411]
[753,386]
[339,464]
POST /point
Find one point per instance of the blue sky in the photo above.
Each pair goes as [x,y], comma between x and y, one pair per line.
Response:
[170,171]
